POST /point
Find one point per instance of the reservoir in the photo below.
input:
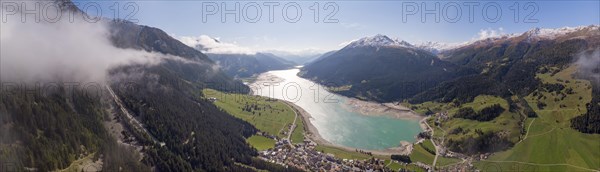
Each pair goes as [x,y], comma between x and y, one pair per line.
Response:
[336,120]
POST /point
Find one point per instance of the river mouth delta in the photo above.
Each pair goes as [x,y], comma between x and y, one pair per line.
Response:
[340,121]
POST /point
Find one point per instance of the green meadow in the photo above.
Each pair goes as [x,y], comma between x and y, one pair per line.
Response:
[261,142]
[268,115]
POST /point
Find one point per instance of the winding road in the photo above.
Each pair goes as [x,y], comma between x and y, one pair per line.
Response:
[293,125]
[431,139]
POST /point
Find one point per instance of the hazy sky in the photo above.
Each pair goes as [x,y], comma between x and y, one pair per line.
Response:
[352,20]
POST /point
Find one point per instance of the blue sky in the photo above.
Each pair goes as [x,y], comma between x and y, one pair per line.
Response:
[355,19]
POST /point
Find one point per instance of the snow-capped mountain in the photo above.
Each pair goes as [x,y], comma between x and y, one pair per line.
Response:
[545,33]
[378,41]
[534,34]
[372,65]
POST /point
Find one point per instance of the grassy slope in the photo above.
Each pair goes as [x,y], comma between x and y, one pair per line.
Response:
[550,139]
[298,133]
[505,122]
[443,161]
[421,155]
[427,144]
[274,115]
[261,142]
[396,166]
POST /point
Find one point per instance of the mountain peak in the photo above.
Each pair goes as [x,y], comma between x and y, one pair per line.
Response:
[379,40]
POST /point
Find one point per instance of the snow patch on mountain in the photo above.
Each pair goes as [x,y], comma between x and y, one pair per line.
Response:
[489,36]
[379,41]
[545,33]
[436,47]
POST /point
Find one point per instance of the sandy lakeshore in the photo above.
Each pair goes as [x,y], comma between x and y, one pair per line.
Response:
[389,109]
[313,134]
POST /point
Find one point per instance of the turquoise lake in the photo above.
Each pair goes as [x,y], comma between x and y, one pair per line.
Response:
[334,119]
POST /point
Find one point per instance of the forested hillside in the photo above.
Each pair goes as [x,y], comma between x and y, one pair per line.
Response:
[50,129]
[196,134]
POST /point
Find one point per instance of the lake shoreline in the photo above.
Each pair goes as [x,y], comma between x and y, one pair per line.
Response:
[367,108]
[312,134]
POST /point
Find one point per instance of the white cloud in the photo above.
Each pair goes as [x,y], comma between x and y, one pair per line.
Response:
[78,51]
[490,33]
[589,64]
[207,44]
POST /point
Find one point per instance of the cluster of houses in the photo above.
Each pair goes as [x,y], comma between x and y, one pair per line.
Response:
[305,157]
[441,117]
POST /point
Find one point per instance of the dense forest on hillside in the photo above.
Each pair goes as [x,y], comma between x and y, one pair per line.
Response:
[590,121]
[202,71]
[166,98]
[47,129]
[481,142]
[486,114]
[167,94]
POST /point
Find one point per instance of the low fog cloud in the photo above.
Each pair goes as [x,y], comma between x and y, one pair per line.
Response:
[78,50]
[206,44]
[589,65]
